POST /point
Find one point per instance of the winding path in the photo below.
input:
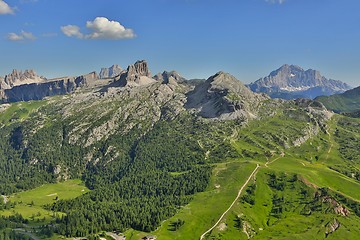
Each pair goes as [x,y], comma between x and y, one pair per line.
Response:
[237,197]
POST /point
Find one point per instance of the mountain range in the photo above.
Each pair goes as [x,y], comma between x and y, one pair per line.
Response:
[287,82]
[147,156]
[291,82]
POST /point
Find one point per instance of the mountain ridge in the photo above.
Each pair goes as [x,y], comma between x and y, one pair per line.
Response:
[146,146]
[291,81]
[348,101]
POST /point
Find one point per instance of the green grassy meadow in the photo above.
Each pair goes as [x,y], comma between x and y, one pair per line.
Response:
[206,207]
[30,204]
[20,111]
[311,162]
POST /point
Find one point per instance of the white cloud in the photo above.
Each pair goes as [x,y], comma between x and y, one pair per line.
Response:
[72,31]
[100,28]
[21,37]
[276,1]
[5,8]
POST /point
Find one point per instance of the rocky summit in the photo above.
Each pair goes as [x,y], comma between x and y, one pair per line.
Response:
[167,77]
[17,77]
[291,81]
[25,86]
[110,72]
[223,96]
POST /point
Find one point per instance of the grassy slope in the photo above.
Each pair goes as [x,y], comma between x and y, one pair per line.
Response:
[20,111]
[206,207]
[43,195]
[346,102]
[310,161]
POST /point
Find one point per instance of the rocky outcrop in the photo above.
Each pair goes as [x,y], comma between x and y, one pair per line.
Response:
[16,78]
[37,91]
[167,77]
[140,68]
[223,96]
[290,82]
[332,227]
[111,72]
[137,74]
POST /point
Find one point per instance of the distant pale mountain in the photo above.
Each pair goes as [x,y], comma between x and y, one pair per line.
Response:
[291,82]
[166,77]
[348,101]
[110,72]
[17,77]
[27,85]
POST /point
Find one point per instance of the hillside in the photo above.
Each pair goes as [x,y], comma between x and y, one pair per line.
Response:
[348,101]
[291,82]
[159,155]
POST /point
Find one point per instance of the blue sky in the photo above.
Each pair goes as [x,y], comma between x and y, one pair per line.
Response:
[247,38]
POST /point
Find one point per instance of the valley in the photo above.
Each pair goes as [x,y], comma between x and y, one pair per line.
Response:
[161,156]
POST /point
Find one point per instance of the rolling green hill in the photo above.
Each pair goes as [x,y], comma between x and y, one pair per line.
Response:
[348,101]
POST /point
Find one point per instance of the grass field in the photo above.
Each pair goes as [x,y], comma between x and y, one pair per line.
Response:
[260,223]
[310,161]
[20,111]
[261,142]
[206,207]
[30,203]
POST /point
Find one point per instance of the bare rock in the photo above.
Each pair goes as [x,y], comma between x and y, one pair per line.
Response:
[17,77]
[224,97]
[111,72]
[332,227]
[169,77]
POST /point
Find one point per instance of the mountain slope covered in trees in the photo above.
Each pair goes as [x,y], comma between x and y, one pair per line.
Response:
[149,148]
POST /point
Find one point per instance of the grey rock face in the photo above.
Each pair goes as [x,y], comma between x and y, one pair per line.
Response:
[110,72]
[17,77]
[167,77]
[140,68]
[37,91]
[136,74]
[223,96]
[290,82]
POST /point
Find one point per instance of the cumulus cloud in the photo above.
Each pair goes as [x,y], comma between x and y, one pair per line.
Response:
[276,1]
[21,37]
[72,31]
[100,28]
[5,8]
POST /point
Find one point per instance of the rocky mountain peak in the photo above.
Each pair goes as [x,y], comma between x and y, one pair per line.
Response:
[167,77]
[223,96]
[287,70]
[226,81]
[136,74]
[110,72]
[140,68]
[18,77]
[291,81]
